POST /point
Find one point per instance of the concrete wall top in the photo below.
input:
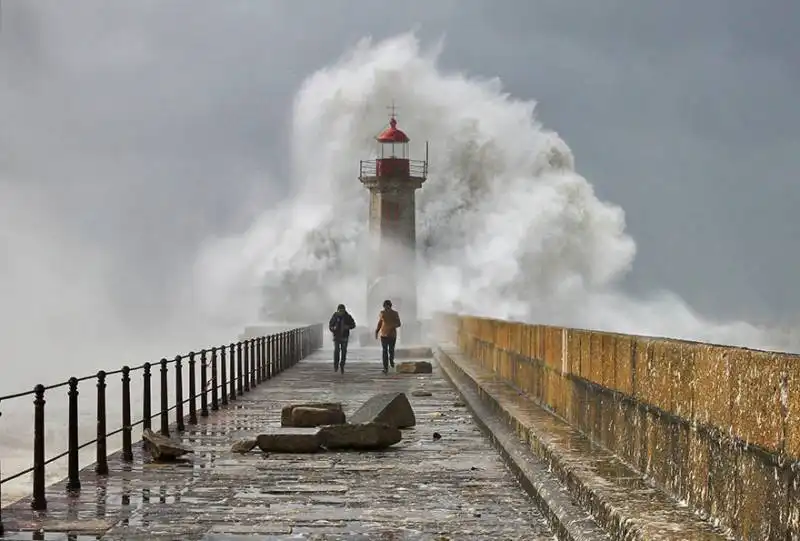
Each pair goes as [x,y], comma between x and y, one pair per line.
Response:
[752,396]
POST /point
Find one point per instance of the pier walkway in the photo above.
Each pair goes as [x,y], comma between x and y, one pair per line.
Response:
[454,487]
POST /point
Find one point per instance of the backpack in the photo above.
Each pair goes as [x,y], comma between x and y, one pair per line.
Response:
[338,328]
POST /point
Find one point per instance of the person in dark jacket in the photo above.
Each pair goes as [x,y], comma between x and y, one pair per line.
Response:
[340,325]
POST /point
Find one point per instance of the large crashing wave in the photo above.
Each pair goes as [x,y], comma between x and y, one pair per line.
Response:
[506,227]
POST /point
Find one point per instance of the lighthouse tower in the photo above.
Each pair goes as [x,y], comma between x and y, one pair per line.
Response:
[392,179]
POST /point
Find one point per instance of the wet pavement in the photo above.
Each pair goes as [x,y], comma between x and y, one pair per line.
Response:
[455,487]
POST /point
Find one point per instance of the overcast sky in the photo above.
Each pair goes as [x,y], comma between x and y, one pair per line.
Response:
[144,127]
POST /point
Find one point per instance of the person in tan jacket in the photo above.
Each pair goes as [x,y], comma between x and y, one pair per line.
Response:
[388,323]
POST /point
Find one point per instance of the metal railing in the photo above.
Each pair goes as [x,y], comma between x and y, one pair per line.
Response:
[416,169]
[234,370]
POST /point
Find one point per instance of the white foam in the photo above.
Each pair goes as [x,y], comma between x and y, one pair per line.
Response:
[506,226]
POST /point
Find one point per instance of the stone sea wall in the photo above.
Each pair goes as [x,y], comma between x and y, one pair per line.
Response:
[715,426]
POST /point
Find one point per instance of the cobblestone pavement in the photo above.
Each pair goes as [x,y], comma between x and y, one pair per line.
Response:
[453,488]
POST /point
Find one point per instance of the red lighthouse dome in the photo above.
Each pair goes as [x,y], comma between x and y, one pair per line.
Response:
[392,134]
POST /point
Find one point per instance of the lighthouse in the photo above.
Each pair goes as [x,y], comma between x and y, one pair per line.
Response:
[392,180]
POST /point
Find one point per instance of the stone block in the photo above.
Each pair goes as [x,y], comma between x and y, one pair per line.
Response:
[623,360]
[513,368]
[553,350]
[625,431]
[698,472]
[596,354]
[678,482]
[595,417]
[502,334]
[585,338]
[415,367]
[609,415]
[574,352]
[536,342]
[392,409]
[525,340]
[286,411]
[640,441]
[538,380]
[289,440]
[568,392]
[243,446]
[525,376]
[756,387]
[792,367]
[503,367]
[643,379]
[681,379]
[659,448]
[607,354]
[762,492]
[659,374]
[162,448]
[722,467]
[712,386]
[303,416]
[363,436]
[793,511]
[515,344]
[580,393]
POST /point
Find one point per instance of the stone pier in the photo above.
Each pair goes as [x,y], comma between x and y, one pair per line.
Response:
[443,481]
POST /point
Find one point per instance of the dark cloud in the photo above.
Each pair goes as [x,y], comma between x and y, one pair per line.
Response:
[149,126]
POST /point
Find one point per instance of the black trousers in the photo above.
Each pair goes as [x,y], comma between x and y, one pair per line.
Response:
[387,344]
[339,352]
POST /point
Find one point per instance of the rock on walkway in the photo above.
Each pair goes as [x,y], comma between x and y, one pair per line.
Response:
[455,487]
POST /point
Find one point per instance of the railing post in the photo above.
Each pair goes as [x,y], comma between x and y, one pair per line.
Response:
[278,352]
[192,390]
[239,362]
[263,345]
[223,375]
[262,348]
[164,399]
[101,465]
[268,355]
[295,348]
[214,381]
[127,446]
[281,350]
[180,427]
[246,352]
[257,346]
[38,502]
[73,467]
[253,363]
[232,360]
[203,384]
[285,351]
[147,413]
